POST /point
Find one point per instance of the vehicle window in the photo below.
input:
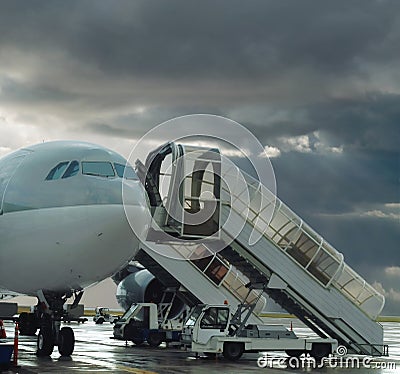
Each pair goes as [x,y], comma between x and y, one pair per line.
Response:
[128,170]
[194,315]
[217,271]
[215,318]
[57,171]
[72,170]
[99,168]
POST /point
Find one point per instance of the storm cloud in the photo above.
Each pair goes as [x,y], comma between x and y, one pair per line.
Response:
[317,82]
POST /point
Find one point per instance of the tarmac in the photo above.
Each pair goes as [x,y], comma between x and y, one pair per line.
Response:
[96,352]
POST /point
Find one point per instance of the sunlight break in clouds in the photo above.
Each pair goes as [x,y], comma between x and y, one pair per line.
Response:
[393,271]
[297,143]
[271,152]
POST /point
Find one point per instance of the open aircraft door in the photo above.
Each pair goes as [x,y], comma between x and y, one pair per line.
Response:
[184,188]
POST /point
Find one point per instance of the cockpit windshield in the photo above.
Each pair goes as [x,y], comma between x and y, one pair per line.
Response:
[72,170]
[126,172]
[105,169]
[57,171]
[98,168]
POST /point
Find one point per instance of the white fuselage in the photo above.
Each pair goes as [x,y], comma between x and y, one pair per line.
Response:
[63,230]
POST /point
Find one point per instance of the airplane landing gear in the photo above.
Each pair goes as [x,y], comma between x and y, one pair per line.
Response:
[51,312]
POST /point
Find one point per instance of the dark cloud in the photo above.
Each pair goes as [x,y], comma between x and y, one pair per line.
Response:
[316,80]
[336,184]
[13,91]
[205,39]
[369,122]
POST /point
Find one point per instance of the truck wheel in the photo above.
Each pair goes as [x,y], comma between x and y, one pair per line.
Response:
[154,339]
[66,341]
[233,351]
[320,350]
[137,341]
[294,353]
[100,321]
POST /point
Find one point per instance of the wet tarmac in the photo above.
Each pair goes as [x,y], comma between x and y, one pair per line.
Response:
[95,352]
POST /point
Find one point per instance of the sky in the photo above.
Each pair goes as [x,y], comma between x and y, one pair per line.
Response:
[317,82]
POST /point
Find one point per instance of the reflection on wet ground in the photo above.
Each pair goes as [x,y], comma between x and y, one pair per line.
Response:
[95,352]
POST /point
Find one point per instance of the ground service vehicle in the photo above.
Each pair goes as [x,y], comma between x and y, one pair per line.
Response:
[213,330]
[142,322]
[103,315]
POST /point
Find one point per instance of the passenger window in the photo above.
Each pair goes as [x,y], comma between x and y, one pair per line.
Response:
[121,169]
[72,170]
[57,171]
[98,168]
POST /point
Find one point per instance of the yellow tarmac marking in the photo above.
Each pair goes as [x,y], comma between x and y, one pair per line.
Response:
[134,370]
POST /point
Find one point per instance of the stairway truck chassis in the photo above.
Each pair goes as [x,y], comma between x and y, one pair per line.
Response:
[215,331]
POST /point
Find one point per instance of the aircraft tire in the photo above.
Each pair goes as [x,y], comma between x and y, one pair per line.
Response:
[66,342]
[27,324]
[45,341]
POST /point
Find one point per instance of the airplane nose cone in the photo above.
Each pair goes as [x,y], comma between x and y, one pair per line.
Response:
[69,247]
[119,230]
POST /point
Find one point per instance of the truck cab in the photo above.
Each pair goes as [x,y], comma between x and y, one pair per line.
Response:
[215,330]
[103,315]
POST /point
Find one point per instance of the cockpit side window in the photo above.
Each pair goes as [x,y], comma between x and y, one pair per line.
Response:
[128,170]
[72,170]
[98,168]
[57,171]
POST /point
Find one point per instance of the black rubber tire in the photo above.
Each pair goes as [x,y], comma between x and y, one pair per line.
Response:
[45,342]
[233,351]
[134,334]
[320,350]
[100,321]
[154,339]
[23,322]
[294,353]
[137,341]
[66,341]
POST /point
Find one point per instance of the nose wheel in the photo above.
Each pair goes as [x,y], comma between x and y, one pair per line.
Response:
[45,342]
[66,341]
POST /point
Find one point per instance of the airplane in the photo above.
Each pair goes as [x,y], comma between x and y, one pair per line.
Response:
[63,228]
[136,284]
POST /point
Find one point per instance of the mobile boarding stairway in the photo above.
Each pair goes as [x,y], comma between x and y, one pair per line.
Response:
[205,280]
[297,267]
